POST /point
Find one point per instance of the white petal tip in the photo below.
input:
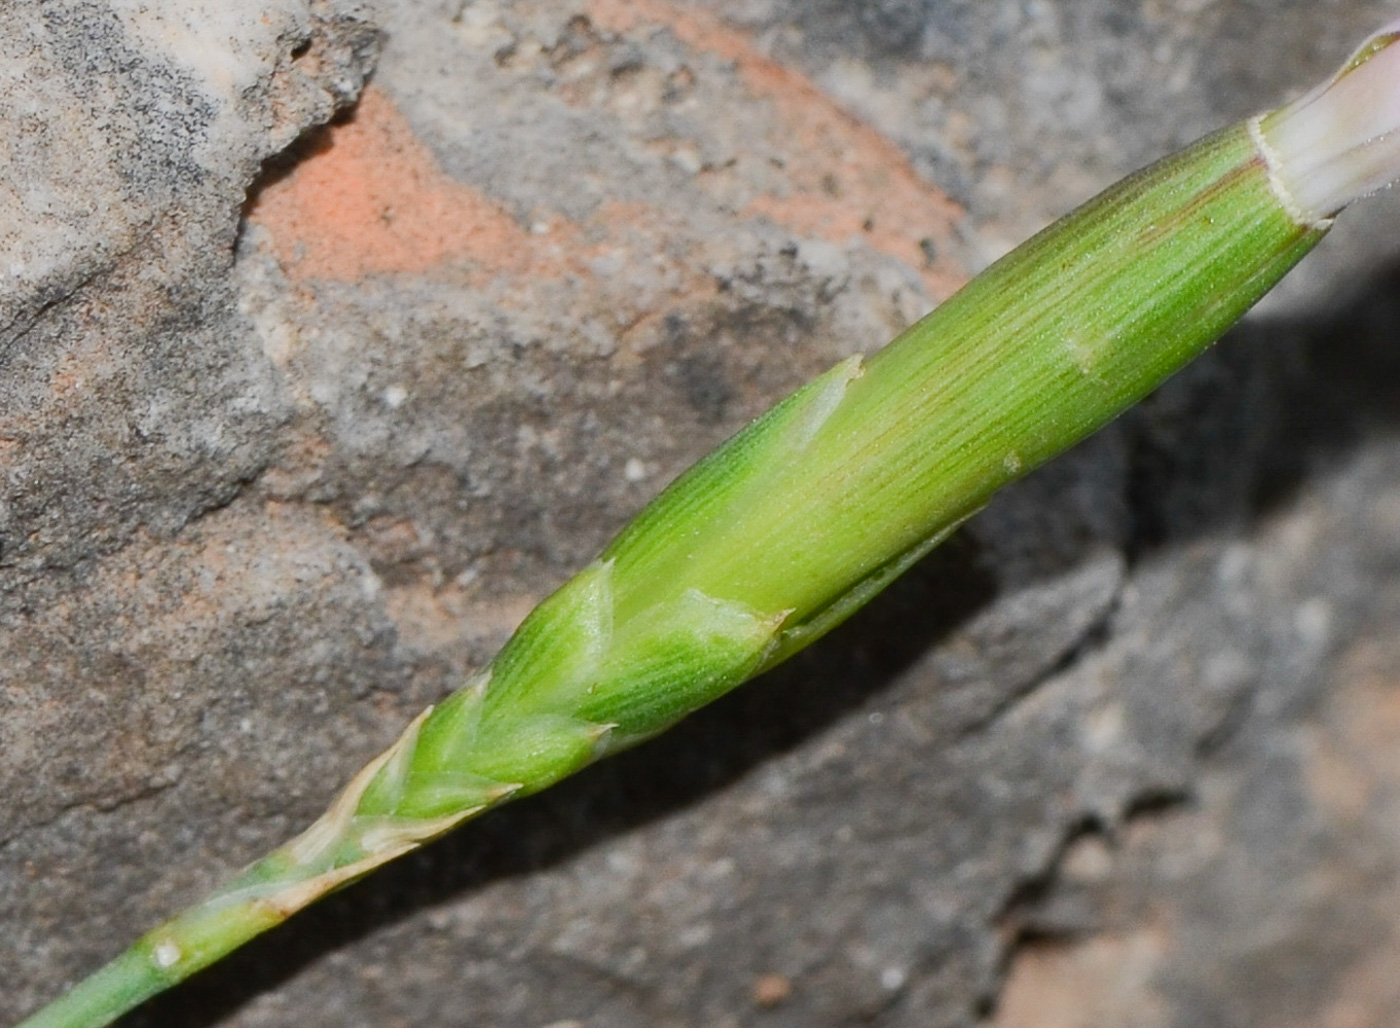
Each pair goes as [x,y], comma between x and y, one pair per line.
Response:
[1341,141]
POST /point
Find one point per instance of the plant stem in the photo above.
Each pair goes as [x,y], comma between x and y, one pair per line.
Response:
[798,520]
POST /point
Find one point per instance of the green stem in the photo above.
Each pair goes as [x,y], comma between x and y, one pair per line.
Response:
[161,958]
[800,519]
[106,994]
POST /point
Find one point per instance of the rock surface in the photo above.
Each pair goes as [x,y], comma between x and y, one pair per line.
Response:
[303,410]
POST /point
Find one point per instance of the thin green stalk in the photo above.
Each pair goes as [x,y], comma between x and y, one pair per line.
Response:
[798,520]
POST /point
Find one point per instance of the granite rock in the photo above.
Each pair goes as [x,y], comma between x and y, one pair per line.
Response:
[315,382]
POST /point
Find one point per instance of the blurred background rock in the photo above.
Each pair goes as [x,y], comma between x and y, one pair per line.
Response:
[334,335]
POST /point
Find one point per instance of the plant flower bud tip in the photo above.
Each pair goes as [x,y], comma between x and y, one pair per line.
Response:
[1341,141]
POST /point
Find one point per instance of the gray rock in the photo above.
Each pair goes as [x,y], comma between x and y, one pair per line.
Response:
[298,422]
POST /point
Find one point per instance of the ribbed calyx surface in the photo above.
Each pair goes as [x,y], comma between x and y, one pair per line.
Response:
[794,523]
